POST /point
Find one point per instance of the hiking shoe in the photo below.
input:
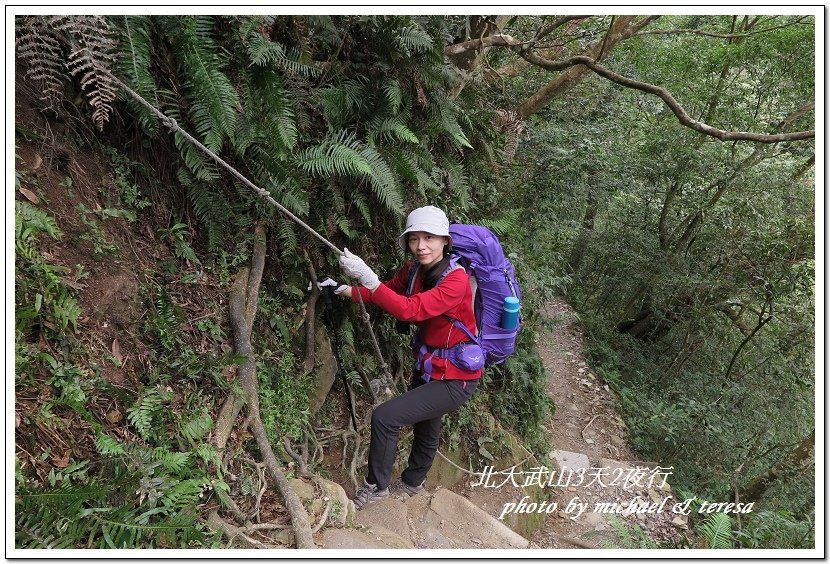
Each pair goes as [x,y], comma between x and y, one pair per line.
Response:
[402,489]
[369,493]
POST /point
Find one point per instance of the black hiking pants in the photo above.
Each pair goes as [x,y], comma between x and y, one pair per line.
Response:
[422,407]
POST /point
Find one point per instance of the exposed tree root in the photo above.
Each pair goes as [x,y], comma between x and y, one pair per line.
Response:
[232,532]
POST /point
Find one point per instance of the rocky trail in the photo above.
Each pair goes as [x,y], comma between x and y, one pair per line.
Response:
[595,478]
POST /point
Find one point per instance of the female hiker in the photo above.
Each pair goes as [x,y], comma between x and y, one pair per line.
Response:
[439,303]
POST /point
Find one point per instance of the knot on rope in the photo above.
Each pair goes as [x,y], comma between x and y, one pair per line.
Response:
[170,123]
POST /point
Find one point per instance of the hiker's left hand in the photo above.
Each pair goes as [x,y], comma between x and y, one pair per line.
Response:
[339,289]
[354,266]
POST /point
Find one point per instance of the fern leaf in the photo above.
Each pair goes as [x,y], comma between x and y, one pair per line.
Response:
[262,51]
[340,155]
[292,64]
[413,39]
[196,427]
[443,109]
[173,461]
[215,100]
[716,529]
[93,45]
[501,226]
[36,220]
[208,453]
[287,236]
[458,184]
[393,94]
[135,51]
[108,446]
[66,311]
[142,413]
[383,181]
[38,47]
[393,128]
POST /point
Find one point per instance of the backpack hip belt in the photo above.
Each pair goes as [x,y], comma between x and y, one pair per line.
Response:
[466,355]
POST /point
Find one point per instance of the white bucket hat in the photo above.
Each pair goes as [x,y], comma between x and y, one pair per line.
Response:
[428,218]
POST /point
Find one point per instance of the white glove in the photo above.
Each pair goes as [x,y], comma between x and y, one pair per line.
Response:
[354,266]
[338,287]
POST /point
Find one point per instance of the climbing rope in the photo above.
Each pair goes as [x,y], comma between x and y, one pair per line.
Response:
[264,194]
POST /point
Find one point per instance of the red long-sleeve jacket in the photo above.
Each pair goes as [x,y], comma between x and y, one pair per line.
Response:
[429,310]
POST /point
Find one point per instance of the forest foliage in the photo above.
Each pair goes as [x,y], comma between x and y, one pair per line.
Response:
[690,260]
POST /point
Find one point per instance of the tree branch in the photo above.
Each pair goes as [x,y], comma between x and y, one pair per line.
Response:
[729,36]
[682,116]
[547,30]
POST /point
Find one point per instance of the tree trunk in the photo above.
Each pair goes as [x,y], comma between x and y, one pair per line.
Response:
[622,28]
[243,305]
[575,260]
[798,461]
[467,61]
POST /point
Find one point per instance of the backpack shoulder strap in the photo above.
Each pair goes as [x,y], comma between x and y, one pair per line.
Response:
[410,278]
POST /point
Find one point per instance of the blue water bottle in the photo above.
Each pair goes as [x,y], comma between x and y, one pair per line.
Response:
[510,313]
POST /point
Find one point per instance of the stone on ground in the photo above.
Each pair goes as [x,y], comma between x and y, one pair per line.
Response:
[442,519]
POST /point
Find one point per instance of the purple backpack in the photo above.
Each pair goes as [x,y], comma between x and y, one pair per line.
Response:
[492,278]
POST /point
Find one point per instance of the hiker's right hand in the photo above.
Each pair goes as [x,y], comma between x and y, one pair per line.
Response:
[354,266]
[339,288]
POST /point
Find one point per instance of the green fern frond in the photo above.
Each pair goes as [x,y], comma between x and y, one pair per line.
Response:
[383,181]
[266,96]
[135,45]
[173,461]
[66,311]
[195,427]
[45,518]
[503,225]
[287,236]
[141,414]
[458,184]
[363,207]
[209,454]
[199,165]
[413,39]
[442,109]
[261,50]
[393,94]
[340,155]
[391,129]
[292,64]
[212,209]
[184,494]
[292,197]
[121,528]
[430,184]
[716,530]
[343,101]
[345,226]
[214,98]
[34,220]
[107,446]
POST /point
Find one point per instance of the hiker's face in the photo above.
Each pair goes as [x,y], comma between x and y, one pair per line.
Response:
[426,247]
